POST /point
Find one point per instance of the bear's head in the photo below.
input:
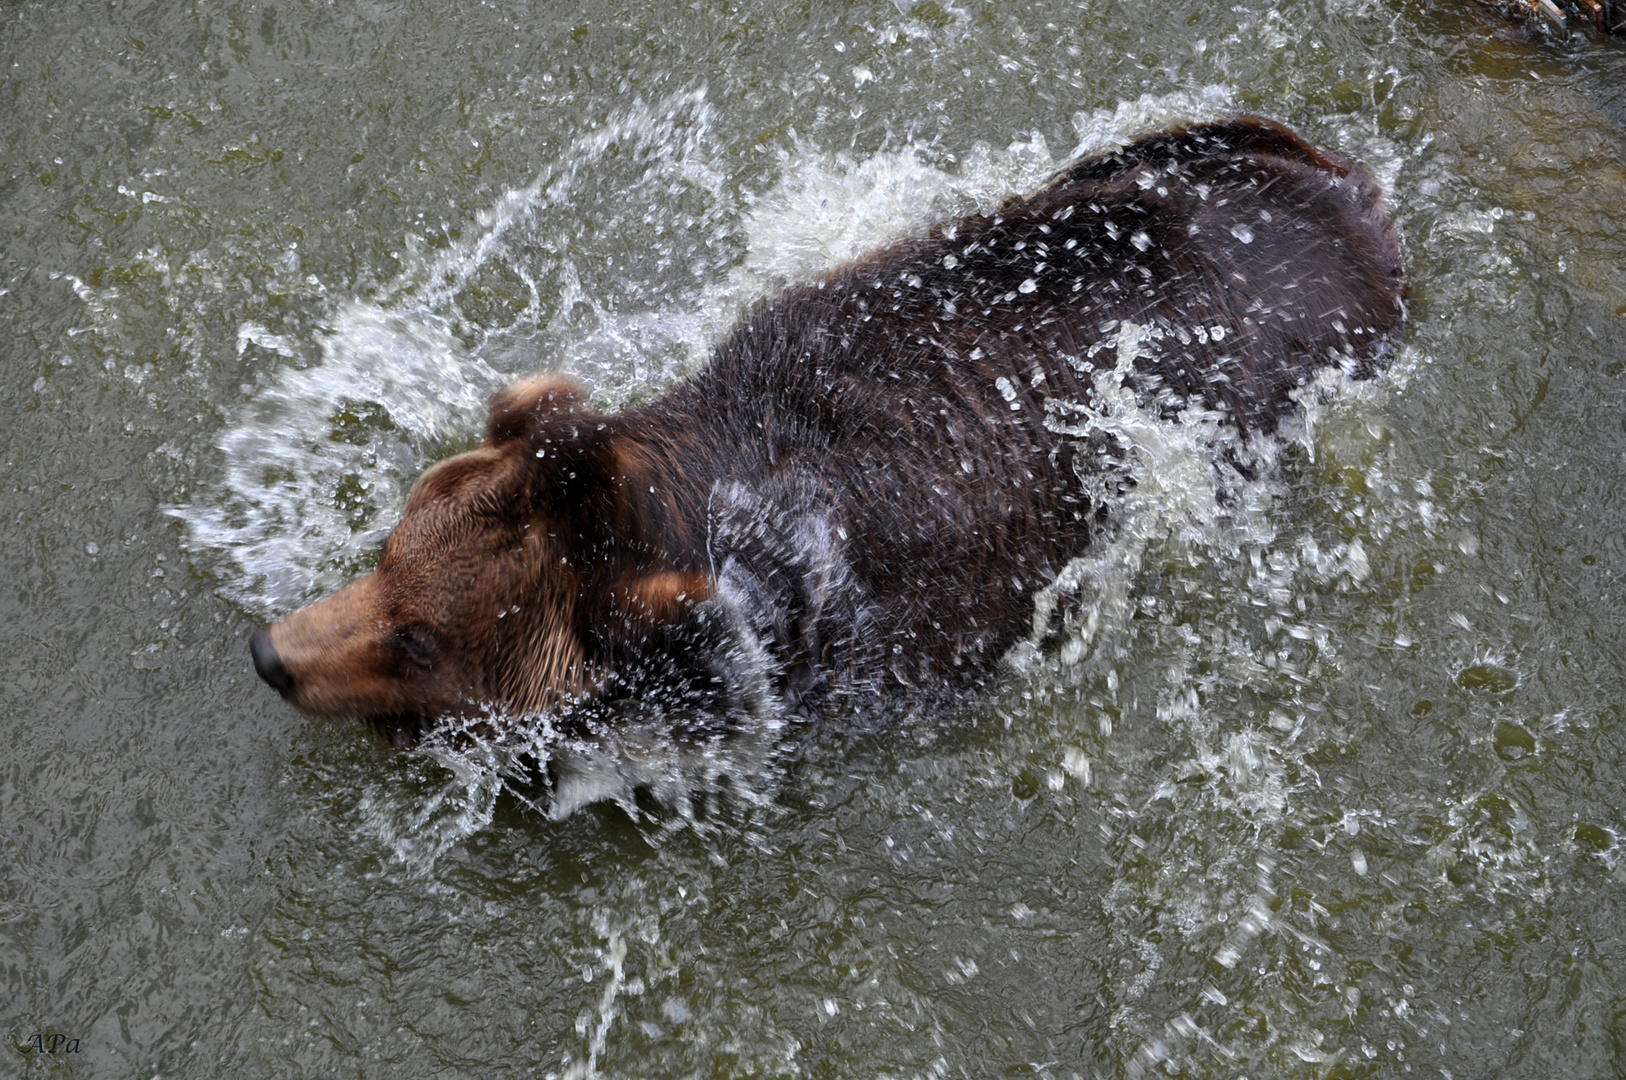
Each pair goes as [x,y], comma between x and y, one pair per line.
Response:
[517,574]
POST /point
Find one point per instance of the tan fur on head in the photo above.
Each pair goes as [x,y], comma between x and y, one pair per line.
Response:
[661,597]
[504,561]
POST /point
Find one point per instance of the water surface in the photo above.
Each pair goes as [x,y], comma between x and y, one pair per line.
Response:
[1331,790]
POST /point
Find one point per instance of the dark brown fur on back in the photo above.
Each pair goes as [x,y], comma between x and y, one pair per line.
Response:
[861,490]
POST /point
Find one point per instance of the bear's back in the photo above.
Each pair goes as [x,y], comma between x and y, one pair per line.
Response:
[911,390]
[1240,227]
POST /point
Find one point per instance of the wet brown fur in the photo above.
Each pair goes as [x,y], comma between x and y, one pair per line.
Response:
[572,545]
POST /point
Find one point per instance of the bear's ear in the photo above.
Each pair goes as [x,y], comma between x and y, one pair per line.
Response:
[571,466]
[520,411]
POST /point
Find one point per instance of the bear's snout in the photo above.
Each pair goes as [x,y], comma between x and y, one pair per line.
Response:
[268,665]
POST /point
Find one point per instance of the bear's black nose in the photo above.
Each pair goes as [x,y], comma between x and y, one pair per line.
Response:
[269,664]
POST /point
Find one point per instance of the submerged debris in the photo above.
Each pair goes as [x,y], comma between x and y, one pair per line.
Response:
[1562,19]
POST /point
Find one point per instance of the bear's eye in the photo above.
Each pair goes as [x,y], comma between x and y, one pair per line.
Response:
[418,644]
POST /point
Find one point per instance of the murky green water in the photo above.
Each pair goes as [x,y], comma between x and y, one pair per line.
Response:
[1334,790]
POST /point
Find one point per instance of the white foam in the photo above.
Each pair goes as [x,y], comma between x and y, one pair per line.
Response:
[1175,501]
[1104,130]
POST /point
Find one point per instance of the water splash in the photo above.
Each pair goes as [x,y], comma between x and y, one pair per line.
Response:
[317,464]
[1104,130]
[614,983]
[1238,773]
[1213,790]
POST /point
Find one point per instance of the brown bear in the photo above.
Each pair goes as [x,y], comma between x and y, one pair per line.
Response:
[864,487]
